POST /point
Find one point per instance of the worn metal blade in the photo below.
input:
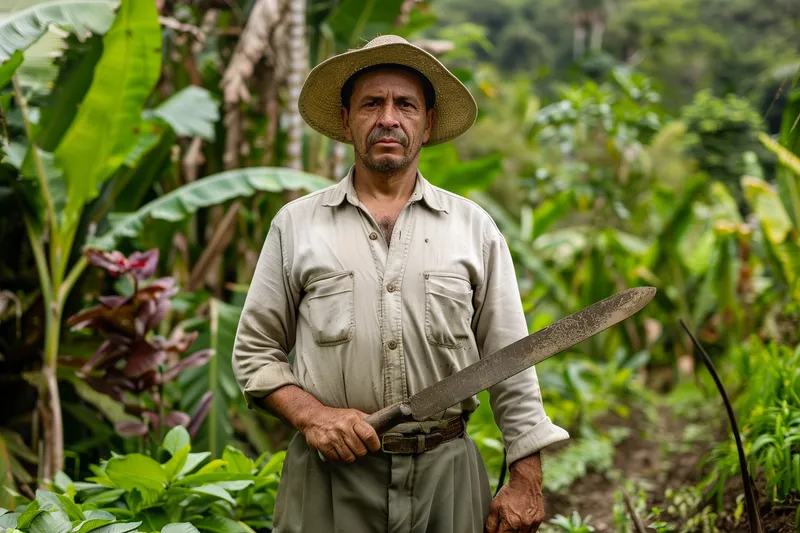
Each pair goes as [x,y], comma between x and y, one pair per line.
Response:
[528,351]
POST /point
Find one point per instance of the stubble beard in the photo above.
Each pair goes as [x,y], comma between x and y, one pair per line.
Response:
[383,163]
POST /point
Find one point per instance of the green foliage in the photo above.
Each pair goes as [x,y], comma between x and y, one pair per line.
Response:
[573,524]
[122,82]
[719,131]
[185,493]
[580,458]
[212,190]
[768,415]
[23,23]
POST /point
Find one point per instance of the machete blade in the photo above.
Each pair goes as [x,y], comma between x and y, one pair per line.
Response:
[528,351]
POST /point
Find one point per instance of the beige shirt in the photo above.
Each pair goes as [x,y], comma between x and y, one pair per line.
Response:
[371,323]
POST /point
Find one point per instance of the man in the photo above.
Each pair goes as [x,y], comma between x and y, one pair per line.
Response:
[383,285]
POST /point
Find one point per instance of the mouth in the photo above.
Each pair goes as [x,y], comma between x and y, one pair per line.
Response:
[387,141]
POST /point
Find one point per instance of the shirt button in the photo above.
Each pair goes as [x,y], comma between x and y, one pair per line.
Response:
[391,287]
[373,235]
[392,344]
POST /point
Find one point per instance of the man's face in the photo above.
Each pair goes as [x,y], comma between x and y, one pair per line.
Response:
[387,121]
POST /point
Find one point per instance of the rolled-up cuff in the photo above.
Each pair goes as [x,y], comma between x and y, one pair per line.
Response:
[266,380]
[538,437]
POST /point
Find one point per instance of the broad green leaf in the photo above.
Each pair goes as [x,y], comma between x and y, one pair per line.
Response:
[786,157]
[137,471]
[176,462]
[193,461]
[212,190]
[767,206]
[62,104]
[33,510]
[183,527]
[96,514]
[90,525]
[236,485]
[103,132]
[789,181]
[39,69]
[237,460]
[50,500]
[71,508]
[53,522]
[118,528]
[214,490]
[63,481]
[213,477]
[177,438]
[354,22]
[22,22]
[274,465]
[9,67]
[105,497]
[220,524]
[9,520]
[191,111]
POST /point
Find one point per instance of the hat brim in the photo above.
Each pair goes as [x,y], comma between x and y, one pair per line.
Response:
[320,98]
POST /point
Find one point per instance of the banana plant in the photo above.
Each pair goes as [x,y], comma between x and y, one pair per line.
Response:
[68,180]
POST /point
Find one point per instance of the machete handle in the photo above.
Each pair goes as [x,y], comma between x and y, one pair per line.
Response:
[388,417]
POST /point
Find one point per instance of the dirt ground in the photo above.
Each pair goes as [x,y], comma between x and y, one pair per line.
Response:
[656,455]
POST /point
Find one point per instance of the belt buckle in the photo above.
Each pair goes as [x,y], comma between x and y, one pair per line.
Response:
[383,441]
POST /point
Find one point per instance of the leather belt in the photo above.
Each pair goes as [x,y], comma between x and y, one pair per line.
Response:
[411,443]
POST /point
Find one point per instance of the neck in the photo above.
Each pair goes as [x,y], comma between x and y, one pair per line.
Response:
[384,186]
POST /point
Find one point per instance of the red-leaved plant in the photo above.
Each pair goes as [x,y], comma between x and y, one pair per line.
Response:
[133,363]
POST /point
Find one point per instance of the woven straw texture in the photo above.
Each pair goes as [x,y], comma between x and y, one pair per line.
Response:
[320,103]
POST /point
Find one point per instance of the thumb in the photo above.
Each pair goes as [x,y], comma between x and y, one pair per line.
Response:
[493,522]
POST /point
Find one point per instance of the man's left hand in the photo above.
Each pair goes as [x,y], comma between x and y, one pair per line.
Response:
[519,506]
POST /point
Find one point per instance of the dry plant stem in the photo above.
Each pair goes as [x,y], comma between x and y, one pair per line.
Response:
[219,241]
[754,518]
[637,522]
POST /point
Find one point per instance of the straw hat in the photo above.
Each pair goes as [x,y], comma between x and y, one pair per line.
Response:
[320,99]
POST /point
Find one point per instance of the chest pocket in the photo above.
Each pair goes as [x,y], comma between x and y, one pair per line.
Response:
[448,309]
[331,312]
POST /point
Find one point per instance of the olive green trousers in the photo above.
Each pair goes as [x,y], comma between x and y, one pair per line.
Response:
[445,490]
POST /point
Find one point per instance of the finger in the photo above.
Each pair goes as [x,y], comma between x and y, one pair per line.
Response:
[330,452]
[492,523]
[344,452]
[354,443]
[505,528]
[367,435]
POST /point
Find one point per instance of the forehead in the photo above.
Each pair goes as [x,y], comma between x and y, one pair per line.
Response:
[382,80]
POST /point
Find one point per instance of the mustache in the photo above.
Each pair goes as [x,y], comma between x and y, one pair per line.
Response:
[387,133]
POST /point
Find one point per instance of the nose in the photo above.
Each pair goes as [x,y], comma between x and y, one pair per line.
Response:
[388,116]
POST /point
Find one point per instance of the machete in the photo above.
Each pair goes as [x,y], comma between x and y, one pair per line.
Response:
[513,359]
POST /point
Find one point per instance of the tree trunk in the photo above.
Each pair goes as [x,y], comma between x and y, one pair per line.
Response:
[298,57]
[598,26]
[578,40]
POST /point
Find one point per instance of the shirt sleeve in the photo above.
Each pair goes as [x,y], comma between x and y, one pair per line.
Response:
[266,331]
[499,321]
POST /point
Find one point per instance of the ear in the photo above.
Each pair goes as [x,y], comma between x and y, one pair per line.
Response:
[346,124]
[431,115]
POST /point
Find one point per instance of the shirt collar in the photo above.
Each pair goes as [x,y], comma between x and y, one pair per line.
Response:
[345,190]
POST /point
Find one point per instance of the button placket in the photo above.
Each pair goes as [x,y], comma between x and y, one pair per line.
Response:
[395,386]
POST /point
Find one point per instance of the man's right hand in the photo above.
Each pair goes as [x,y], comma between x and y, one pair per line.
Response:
[340,434]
